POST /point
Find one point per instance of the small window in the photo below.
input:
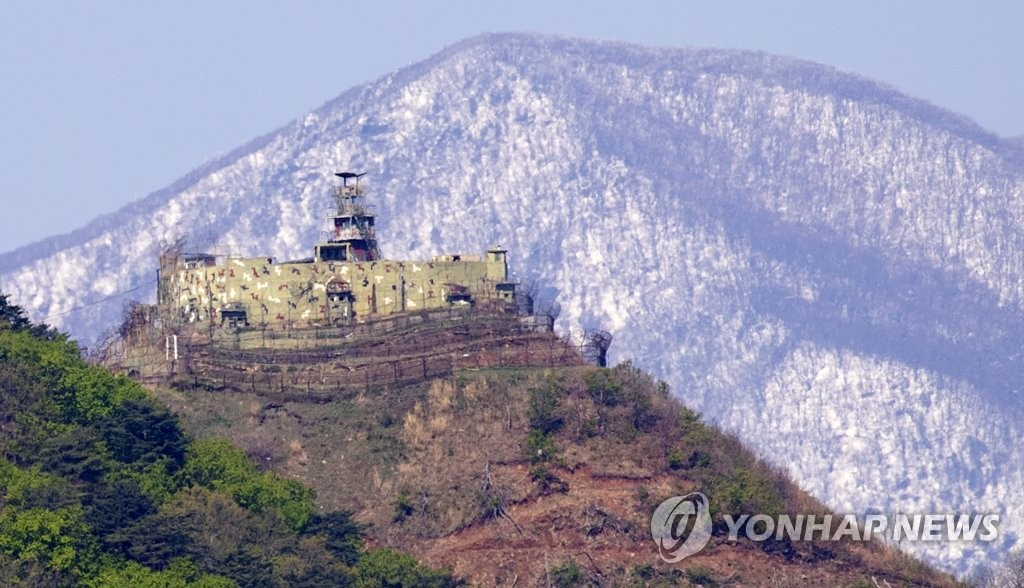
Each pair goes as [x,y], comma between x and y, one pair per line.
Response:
[332,253]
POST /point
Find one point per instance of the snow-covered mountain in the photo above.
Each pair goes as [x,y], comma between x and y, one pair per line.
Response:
[818,262]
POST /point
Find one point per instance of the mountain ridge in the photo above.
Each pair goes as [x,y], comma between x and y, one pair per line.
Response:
[760,247]
[939,115]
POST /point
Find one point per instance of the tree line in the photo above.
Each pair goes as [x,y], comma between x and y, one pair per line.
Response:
[100,486]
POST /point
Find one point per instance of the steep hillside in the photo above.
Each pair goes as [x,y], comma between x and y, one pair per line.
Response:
[100,487]
[535,476]
[827,267]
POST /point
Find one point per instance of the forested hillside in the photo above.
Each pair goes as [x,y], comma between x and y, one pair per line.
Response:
[100,486]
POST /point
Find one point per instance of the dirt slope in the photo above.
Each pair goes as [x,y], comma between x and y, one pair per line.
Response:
[535,476]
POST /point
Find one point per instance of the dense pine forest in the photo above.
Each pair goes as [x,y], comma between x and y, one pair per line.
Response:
[100,486]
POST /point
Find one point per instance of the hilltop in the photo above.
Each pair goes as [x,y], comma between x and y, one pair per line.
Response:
[511,467]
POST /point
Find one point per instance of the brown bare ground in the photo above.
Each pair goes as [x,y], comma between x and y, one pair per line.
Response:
[438,467]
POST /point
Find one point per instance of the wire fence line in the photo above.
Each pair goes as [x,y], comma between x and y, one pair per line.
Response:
[318,363]
[326,380]
[270,337]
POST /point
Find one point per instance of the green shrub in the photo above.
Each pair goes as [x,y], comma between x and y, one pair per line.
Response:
[137,575]
[645,571]
[344,536]
[544,406]
[745,491]
[59,539]
[137,432]
[603,388]
[216,464]
[701,576]
[392,569]
[566,575]
[403,508]
[679,460]
[540,447]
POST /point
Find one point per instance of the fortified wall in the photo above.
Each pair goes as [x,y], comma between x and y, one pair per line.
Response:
[344,281]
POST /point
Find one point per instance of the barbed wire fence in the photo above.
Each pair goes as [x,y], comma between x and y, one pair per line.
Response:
[317,363]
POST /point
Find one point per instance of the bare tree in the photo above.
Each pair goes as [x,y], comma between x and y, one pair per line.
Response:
[1010,573]
[595,347]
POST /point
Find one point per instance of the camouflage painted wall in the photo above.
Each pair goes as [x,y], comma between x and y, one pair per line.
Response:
[193,291]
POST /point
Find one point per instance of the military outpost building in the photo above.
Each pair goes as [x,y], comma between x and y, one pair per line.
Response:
[346,280]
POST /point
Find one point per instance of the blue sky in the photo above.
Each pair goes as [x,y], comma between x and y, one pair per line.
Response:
[103,102]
